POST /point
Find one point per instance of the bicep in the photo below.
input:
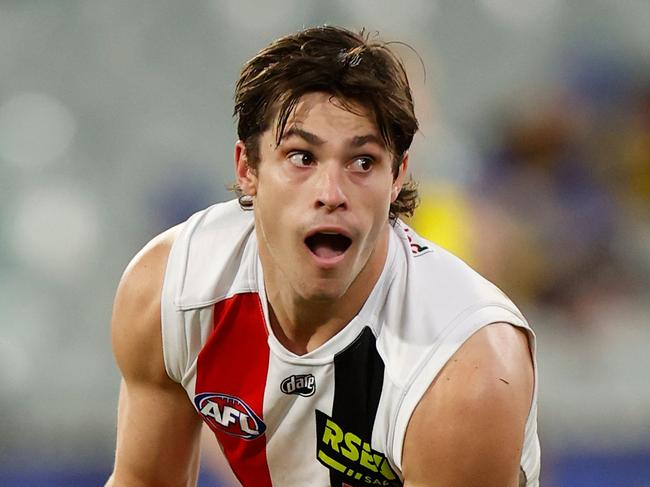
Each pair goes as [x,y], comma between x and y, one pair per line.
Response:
[468,429]
[157,437]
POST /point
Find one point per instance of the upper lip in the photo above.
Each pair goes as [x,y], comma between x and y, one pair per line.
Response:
[329,229]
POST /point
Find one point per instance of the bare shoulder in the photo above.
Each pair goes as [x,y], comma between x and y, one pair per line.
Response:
[136,332]
[470,422]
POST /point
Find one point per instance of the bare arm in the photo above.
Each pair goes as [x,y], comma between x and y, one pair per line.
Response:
[157,428]
[468,429]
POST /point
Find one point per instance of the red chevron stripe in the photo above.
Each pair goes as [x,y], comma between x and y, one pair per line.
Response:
[234,362]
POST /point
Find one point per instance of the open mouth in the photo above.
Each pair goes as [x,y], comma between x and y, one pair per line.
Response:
[328,245]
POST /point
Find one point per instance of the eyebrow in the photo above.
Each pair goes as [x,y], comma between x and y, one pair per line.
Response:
[359,140]
[356,141]
[294,131]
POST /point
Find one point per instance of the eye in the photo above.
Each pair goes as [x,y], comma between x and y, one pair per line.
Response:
[301,159]
[362,164]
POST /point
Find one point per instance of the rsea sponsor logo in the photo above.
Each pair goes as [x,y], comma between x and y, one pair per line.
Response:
[350,455]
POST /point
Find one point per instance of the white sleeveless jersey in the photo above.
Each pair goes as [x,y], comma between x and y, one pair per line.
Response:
[338,414]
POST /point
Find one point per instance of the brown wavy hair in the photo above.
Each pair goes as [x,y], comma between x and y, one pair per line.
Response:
[349,66]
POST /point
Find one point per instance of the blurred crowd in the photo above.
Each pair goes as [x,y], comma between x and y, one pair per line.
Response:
[559,214]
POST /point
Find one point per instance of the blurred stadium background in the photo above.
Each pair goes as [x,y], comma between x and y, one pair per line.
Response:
[534,162]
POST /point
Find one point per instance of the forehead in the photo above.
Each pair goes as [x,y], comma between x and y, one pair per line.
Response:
[324,113]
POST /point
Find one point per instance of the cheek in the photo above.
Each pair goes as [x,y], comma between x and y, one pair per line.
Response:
[376,210]
[275,184]
[276,215]
[379,198]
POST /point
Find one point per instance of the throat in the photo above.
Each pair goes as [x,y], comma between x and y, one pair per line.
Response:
[307,334]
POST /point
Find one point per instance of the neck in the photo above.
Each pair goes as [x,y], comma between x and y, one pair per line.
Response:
[301,324]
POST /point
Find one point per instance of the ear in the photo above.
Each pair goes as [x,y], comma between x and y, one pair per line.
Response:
[246,175]
[399,179]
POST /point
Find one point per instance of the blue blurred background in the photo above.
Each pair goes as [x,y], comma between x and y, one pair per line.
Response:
[534,163]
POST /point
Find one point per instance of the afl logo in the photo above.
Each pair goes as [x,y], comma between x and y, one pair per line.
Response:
[304,385]
[229,414]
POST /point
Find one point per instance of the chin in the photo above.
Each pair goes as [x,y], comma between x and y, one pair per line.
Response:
[326,291]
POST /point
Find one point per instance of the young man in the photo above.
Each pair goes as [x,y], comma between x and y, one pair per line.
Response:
[321,340]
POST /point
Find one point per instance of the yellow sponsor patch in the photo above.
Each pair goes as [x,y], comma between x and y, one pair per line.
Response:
[352,456]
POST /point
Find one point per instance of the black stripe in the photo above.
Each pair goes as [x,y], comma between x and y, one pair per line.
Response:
[358,380]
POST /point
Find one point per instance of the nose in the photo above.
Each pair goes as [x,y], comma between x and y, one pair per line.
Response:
[330,193]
